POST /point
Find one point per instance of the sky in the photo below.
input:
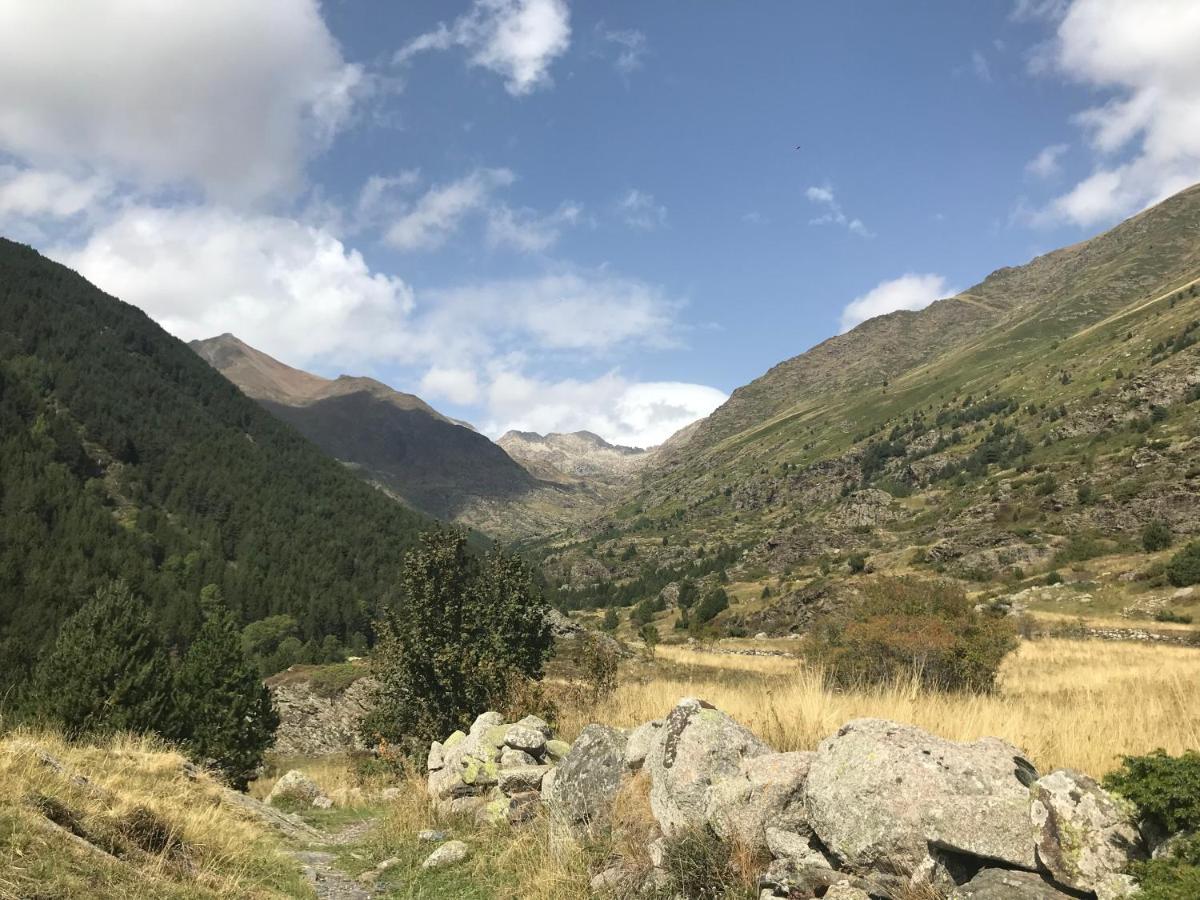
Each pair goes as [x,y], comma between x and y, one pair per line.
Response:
[552,215]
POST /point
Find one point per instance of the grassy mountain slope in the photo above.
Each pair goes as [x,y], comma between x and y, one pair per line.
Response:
[991,436]
[123,454]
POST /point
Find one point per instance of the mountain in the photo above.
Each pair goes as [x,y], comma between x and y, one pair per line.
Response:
[578,456]
[992,433]
[394,439]
[436,465]
[123,454]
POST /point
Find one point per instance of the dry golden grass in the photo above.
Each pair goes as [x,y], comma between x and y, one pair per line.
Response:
[1078,704]
[150,830]
[1091,621]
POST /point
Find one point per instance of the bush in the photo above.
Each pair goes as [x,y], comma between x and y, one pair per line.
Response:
[1166,615]
[713,602]
[857,562]
[460,631]
[700,866]
[1156,536]
[649,635]
[610,621]
[910,626]
[1165,789]
[1184,567]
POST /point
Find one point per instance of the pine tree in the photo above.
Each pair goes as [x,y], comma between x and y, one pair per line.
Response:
[225,713]
[107,670]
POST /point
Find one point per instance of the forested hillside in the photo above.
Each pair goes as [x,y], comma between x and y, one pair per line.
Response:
[124,454]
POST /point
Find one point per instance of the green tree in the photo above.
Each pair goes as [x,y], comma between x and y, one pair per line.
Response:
[610,621]
[649,635]
[106,671]
[713,602]
[460,633]
[1184,567]
[261,640]
[225,717]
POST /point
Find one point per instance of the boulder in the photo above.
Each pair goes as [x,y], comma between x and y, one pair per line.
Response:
[448,854]
[430,836]
[511,759]
[322,802]
[698,747]
[844,890]
[765,791]
[294,788]
[436,759]
[521,737]
[882,795]
[641,739]
[557,750]
[795,847]
[537,725]
[522,780]
[470,762]
[586,782]
[1084,835]
[1008,884]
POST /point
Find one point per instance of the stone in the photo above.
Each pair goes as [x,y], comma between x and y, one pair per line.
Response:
[522,780]
[484,721]
[520,737]
[436,758]
[313,723]
[511,759]
[387,795]
[699,746]
[844,890]
[430,836]
[1008,884]
[557,750]
[765,790]
[607,881]
[879,794]
[641,739]
[448,854]
[1084,835]
[548,784]
[657,851]
[322,802]
[784,878]
[294,788]
[586,782]
[796,847]
[537,725]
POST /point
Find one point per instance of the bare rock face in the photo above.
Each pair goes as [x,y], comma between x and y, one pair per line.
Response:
[885,796]
[585,783]
[641,739]
[699,747]
[315,724]
[1007,884]
[766,792]
[1085,836]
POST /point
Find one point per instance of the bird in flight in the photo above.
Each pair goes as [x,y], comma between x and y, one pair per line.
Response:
[798,146]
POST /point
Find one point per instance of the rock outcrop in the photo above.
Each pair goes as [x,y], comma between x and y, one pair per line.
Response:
[588,779]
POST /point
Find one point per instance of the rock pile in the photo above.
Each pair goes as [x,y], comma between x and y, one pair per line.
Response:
[878,809]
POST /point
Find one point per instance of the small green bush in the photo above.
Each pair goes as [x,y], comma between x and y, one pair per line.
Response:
[1156,536]
[1184,567]
[1165,789]
[857,562]
[1166,615]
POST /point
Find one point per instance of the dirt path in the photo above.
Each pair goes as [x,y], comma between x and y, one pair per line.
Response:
[321,869]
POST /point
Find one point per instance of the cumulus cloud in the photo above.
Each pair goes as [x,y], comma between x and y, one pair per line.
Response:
[516,39]
[291,290]
[457,385]
[639,209]
[909,291]
[29,193]
[116,88]
[636,414]
[1046,164]
[1146,137]
[823,196]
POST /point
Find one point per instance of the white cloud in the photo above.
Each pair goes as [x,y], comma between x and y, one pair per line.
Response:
[639,209]
[637,414]
[822,195]
[294,291]
[1046,164]
[230,97]
[979,65]
[454,384]
[1144,53]
[517,39]
[437,214]
[528,231]
[378,191]
[1034,10]
[909,291]
[631,48]
[37,193]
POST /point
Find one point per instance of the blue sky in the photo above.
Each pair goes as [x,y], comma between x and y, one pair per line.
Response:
[553,215]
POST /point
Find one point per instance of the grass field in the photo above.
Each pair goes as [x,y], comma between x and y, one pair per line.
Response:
[1067,703]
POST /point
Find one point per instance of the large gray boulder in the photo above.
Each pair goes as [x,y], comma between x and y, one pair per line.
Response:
[294,789]
[766,792]
[470,762]
[641,739]
[1008,884]
[698,747]
[584,784]
[887,796]
[1085,837]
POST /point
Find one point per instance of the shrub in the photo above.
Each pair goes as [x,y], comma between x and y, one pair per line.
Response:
[700,866]
[1053,578]
[610,621]
[1184,567]
[713,602]
[649,634]
[598,663]
[1156,536]
[450,644]
[1166,615]
[1165,789]
[857,562]
[910,626]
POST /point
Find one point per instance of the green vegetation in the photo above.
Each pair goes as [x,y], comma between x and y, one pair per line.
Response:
[911,627]
[123,454]
[456,637]
[1156,536]
[700,865]
[1184,567]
